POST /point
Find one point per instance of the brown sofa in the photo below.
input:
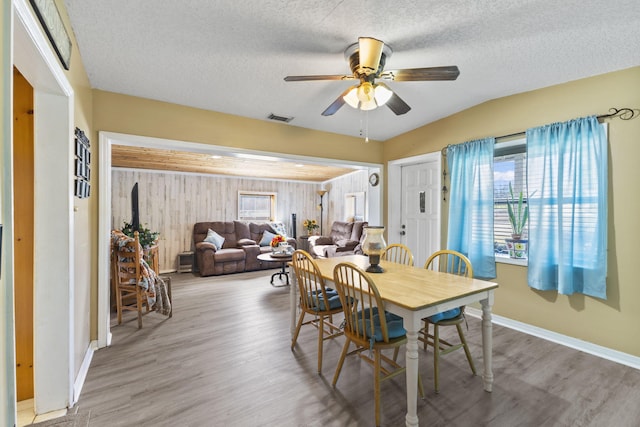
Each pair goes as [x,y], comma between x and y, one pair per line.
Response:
[239,251]
[345,238]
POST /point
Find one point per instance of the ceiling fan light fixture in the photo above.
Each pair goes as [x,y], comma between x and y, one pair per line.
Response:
[367,96]
[370,52]
[382,94]
[369,105]
[351,97]
[366,92]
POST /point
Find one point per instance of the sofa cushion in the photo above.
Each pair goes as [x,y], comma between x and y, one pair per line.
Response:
[214,238]
[225,229]
[246,242]
[242,230]
[227,255]
[346,243]
[341,230]
[358,230]
[256,230]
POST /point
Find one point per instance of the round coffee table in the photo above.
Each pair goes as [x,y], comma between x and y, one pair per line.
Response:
[283,260]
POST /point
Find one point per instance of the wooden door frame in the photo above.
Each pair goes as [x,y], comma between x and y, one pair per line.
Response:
[394,200]
[107,139]
[53,201]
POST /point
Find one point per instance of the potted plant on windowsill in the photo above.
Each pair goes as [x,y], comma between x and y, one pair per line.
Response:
[518,217]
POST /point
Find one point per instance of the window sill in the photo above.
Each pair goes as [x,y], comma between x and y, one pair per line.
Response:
[512,261]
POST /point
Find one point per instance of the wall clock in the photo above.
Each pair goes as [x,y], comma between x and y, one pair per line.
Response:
[374,179]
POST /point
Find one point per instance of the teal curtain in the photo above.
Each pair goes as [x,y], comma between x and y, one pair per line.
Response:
[567,184]
[471,204]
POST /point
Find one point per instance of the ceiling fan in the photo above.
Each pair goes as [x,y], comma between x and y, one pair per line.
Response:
[366,60]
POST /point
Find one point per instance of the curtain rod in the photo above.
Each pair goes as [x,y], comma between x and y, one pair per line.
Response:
[621,113]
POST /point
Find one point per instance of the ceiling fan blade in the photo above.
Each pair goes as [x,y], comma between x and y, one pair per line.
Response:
[397,105]
[337,104]
[318,77]
[422,74]
[370,51]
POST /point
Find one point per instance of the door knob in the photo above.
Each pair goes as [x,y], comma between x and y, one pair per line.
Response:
[402,233]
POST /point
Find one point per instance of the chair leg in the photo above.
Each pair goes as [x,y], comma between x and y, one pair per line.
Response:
[139,307]
[466,348]
[298,326]
[320,340]
[345,349]
[426,335]
[376,385]
[436,355]
[119,305]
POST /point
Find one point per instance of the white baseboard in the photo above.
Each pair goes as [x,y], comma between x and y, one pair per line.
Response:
[584,346]
[84,369]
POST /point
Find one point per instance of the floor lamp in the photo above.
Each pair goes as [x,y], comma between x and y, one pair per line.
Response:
[321,193]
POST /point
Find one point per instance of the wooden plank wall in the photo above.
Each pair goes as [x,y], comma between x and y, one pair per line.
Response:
[172,203]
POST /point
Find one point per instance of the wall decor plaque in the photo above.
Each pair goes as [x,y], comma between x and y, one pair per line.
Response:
[49,16]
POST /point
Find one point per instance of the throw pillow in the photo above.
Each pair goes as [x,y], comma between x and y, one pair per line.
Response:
[214,238]
[267,236]
[279,228]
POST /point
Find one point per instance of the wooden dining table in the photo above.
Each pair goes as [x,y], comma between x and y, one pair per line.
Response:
[415,293]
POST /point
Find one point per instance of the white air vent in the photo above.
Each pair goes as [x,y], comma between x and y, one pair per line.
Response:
[279,118]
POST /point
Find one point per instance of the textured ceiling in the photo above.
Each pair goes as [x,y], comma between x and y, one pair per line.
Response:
[231,55]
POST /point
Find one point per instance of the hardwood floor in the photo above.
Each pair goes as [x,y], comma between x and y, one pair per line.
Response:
[224,359]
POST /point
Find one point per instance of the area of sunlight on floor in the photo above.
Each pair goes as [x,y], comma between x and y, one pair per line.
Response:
[26,416]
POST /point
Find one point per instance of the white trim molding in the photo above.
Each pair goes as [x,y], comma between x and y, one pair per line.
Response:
[577,344]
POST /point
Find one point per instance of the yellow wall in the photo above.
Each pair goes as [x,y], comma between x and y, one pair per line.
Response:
[137,116]
[85,210]
[614,323]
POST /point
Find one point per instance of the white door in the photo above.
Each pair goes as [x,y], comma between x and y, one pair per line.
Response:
[420,215]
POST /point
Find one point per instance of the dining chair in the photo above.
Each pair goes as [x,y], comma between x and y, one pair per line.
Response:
[369,327]
[398,253]
[452,262]
[316,299]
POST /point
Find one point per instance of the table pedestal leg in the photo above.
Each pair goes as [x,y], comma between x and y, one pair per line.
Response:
[282,272]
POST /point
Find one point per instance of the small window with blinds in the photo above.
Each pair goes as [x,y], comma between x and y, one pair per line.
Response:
[509,167]
[256,206]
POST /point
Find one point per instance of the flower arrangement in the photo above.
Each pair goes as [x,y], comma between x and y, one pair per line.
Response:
[146,237]
[275,242]
[310,225]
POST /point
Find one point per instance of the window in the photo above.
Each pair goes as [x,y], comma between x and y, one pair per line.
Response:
[509,167]
[256,206]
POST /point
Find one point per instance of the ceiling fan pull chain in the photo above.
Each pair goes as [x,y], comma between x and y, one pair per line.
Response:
[366,126]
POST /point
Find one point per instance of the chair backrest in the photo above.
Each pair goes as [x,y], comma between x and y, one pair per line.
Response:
[398,253]
[128,253]
[448,261]
[311,285]
[361,302]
